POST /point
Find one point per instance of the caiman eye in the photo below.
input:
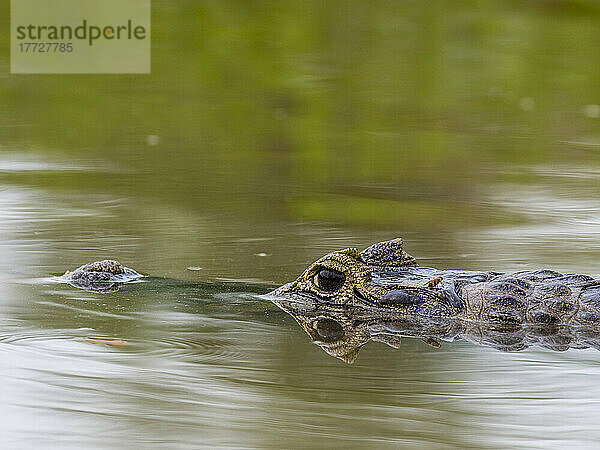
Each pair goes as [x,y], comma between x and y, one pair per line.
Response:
[329,280]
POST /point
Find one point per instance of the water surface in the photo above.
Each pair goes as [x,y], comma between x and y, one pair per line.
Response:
[264,138]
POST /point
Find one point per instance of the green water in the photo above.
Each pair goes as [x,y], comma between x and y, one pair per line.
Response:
[268,134]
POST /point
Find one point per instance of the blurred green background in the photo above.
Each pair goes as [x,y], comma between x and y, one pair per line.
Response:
[376,117]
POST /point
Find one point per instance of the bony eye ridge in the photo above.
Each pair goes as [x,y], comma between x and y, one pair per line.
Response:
[329,280]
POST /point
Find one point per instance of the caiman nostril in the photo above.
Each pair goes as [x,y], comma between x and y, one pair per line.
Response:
[400,298]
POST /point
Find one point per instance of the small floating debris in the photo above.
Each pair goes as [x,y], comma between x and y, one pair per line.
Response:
[592,111]
[152,140]
[107,341]
[262,254]
[194,268]
[527,103]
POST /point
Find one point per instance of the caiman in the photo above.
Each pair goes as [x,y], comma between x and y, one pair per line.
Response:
[386,278]
[348,298]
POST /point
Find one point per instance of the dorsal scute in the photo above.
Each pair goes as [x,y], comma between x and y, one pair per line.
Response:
[387,254]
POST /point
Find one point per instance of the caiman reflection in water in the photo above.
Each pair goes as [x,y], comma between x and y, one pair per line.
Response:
[349,297]
[341,331]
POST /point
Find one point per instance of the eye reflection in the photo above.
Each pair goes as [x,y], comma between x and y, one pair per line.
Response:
[329,330]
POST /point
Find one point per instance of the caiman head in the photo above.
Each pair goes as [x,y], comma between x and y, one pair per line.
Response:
[350,277]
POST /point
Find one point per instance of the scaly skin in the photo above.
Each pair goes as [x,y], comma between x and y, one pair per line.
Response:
[385,277]
[101,276]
